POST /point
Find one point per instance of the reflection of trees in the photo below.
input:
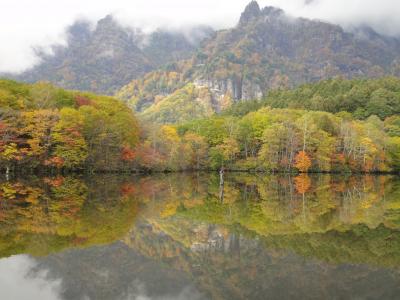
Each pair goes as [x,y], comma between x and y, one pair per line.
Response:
[38,216]
[239,248]
[283,208]
[42,215]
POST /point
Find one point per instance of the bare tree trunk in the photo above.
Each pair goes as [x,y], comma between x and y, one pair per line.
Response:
[304,135]
[221,177]
[221,193]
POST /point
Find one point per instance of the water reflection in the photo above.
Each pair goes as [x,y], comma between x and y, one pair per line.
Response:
[173,237]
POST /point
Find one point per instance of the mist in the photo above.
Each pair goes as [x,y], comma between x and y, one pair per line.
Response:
[30,25]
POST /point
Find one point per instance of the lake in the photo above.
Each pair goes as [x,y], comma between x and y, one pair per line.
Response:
[183,236]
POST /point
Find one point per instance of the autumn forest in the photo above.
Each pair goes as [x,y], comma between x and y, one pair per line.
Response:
[47,128]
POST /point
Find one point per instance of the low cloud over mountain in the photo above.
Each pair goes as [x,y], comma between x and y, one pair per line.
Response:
[43,23]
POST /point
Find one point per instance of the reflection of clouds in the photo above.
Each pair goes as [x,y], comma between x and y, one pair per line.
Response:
[17,282]
[20,279]
[138,291]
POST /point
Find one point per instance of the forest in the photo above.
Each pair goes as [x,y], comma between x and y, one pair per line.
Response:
[344,126]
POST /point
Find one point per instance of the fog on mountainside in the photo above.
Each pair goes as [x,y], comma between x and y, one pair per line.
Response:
[104,59]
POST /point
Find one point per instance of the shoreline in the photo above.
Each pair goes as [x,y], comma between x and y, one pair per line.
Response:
[42,172]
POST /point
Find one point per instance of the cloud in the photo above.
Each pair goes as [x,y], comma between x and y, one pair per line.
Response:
[381,15]
[26,24]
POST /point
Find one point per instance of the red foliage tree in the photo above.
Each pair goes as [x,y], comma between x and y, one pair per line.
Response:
[127,189]
[82,100]
[54,182]
[128,154]
[56,161]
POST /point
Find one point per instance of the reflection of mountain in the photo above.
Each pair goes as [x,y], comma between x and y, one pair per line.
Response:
[242,270]
[272,237]
[231,266]
[115,272]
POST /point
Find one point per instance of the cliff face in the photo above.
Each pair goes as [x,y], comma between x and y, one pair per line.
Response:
[237,89]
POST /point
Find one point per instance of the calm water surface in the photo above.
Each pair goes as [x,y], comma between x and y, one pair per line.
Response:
[182,236]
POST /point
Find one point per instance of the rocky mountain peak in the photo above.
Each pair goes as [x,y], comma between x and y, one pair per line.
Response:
[109,26]
[251,12]
[106,22]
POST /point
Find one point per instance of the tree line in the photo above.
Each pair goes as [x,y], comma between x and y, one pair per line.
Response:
[275,140]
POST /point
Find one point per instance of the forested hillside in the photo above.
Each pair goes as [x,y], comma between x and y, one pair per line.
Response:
[42,126]
[361,97]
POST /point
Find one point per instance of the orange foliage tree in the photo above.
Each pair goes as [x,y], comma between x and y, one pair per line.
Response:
[302,161]
[302,183]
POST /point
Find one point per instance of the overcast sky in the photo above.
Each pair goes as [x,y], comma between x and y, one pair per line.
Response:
[28,23]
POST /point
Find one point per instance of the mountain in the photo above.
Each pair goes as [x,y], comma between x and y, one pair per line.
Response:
[203,71]
[267,50]
[104,59]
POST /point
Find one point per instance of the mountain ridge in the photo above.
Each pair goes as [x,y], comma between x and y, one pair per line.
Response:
[105,58]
